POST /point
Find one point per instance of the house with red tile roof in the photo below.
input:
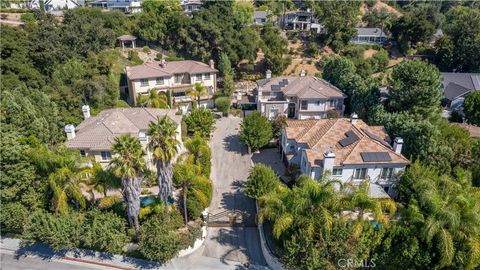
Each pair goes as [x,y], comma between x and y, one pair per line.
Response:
[348,149]
[175,76]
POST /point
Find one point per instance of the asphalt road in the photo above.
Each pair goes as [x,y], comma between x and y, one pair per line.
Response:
[12,262]
[230,167]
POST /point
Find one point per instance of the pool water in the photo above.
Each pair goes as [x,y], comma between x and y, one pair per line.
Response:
[146,201]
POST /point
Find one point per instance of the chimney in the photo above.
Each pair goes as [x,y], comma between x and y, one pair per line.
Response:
[70,130]
[353,118]
[86,111]
[268,74]
[302,73]
[328,159]
[211,63]
[397,145]
[163,63]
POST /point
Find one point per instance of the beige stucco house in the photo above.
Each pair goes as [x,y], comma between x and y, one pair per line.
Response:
[299,97]
[177,76]
[95,136]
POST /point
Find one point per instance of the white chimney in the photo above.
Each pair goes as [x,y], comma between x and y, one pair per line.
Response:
[211,63]
[353,118]
[302,73]
[268,74]
[163,63]
[86,111]
[397,145]
[328,160]
[70,130]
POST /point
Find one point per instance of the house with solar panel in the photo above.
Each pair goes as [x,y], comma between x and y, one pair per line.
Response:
[298,97]
[348,149]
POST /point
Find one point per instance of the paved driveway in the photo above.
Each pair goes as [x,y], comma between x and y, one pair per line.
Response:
[230,168]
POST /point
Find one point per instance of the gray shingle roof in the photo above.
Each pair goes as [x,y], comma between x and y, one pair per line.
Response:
[99,132]
[377,32]
[301,87]
[260,15]
[154,69]
[458,84]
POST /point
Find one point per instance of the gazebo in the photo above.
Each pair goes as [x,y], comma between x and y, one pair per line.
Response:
[127,38]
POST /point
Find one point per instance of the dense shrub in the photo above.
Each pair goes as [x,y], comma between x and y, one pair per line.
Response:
[158,241]
[104,231]
[223,104]
[13,217]
[262,179]
[201,121]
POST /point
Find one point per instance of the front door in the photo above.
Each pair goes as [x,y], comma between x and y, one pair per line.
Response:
[291,110]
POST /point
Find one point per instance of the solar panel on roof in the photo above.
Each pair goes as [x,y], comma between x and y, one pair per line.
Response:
[351,138]
[375,156]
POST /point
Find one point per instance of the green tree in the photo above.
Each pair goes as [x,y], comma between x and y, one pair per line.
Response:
[261,180]
[64,185]
[14,217]
[198,90]
[129,165]
[158,241]
[462,27]
[201,153]
[154,99]
[471,108]
[103,180]
[201,121]
[415,88]
[164,146]
[243,12]
[417,25]
[274,46]
[105,231]
[278,123]
[223,104]
[256,131]
[339,19]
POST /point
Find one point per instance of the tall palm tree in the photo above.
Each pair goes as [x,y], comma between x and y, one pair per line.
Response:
[188,178]
[164,147]
[197,91]
[129,165]
[64,185]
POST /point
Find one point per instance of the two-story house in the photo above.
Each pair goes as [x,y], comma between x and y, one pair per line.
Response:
[349,149]
[301,20]
[299,97]
[190,6]
[95,136]
[127,6]
[175,76]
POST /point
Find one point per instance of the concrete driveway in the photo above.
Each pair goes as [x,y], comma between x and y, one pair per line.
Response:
[230,168]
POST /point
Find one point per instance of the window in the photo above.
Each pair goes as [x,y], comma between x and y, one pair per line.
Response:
[106,155]
[144,82]
[198,77]
[337,171]
[82,153]
[317,102]
[360,174]
[333,103]
[387,173]
[159,81]
[304,105]
[178,78]
[178,94]
[206,76]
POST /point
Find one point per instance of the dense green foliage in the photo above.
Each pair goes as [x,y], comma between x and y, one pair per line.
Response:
[417,25]
[261,180]
[256,131]
[471,108]
[223,104]
[201,121]
[274,46]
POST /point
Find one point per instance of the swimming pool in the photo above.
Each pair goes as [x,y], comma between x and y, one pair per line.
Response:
[147,200]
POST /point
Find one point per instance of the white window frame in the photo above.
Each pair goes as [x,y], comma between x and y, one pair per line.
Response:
[389,173]
[198,77]
[144,82]
[160,81]
[106,155]
[302,103]
[178,78]
[206,76]
[336,170]
[357,176]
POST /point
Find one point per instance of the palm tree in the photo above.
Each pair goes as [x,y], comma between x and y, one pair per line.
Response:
[154,100]
[187,177]
[164,146]
[103,180]
[64,185]
[129,165]
[197,91]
